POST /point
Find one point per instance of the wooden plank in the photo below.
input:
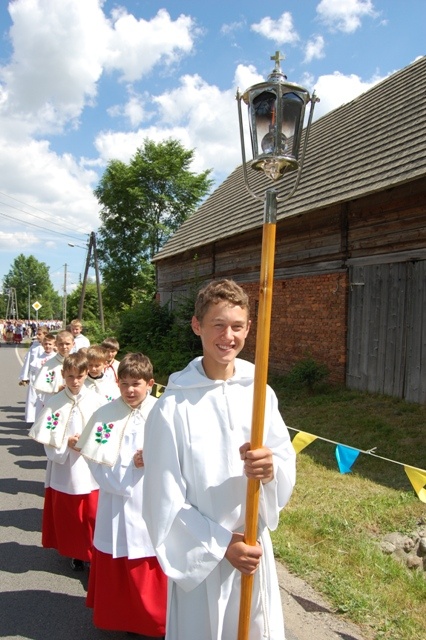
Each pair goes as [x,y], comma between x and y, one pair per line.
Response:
[416,336]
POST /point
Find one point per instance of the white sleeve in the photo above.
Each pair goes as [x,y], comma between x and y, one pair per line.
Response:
[188,544]
[25,370]
[119,479]
[60,456]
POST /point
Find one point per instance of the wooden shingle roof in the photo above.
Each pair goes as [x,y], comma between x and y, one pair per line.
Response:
[375,142]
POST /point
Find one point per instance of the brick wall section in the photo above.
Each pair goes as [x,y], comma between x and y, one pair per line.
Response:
[309,317]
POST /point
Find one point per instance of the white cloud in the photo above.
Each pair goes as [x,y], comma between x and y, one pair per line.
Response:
[337,89]
[345,15]
[133,110]
[61,49]
[54,184]
[197,114]
[231,28]
[56,61]
[17,242]
[281,31]
[246,76]
[314,49]
[136,46]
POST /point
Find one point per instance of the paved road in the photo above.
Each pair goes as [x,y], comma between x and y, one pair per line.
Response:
[41,598]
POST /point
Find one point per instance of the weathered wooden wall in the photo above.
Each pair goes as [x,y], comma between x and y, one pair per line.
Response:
[314,253]
[387,329]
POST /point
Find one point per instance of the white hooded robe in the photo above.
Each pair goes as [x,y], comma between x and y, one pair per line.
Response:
[194,499]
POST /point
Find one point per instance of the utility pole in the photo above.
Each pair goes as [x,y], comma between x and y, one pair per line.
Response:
[92,247]
[83,286]
[64,316]
[98,284]
[12,305]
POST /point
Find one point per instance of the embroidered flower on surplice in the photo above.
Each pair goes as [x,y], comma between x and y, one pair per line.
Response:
[103,432]
[52,421]
[50,376]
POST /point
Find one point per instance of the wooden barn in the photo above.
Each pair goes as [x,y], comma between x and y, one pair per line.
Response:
[350,267]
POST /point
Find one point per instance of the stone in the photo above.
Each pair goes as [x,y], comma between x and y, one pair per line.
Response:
[387,547]
[413,562]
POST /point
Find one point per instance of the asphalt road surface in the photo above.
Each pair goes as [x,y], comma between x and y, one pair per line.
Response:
[41,598]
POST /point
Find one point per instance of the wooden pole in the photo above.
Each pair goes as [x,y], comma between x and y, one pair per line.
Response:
[259,394]
[98,284]
[86,271]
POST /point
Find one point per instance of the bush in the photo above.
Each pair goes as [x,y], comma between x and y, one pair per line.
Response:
[164,336]
[308,373]
[144,327]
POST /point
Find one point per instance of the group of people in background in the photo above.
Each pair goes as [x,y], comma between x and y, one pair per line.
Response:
[14,331]
[149,494]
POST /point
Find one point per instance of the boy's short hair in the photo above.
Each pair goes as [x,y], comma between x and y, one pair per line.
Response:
[218,291]
[76,360]
[97,352]
[49,336]
[64,333]
[76,323]
[111,343]
[136,365]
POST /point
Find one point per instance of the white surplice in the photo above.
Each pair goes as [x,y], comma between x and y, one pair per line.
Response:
[194,498]
[65,415]
[113,435]
[36,357]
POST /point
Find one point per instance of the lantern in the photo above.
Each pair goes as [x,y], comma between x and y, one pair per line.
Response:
[276,110]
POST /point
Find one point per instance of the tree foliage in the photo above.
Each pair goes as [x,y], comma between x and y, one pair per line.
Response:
[143,203]
[91,303]
[31,280]
[165,336]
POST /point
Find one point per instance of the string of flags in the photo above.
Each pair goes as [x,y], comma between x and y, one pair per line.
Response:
[347,455]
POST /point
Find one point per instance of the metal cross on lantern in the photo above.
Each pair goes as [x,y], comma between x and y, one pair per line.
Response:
[276,110]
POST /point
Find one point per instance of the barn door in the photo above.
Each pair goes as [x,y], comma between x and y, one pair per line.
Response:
[387,330]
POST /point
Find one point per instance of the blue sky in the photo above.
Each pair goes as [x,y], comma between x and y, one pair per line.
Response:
[86,81]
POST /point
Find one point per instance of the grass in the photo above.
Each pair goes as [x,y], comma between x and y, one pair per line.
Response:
[329,533]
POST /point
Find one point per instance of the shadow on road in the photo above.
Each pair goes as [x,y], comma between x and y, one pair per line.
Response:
[23,519]
[14,486]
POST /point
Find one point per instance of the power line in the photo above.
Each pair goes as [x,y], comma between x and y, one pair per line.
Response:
[58,224]
[26,204]
[32,224]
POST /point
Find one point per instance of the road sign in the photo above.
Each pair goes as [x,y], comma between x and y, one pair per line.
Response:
[36,305]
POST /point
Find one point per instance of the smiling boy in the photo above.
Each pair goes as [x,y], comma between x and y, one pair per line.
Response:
[97,357]
[197,460]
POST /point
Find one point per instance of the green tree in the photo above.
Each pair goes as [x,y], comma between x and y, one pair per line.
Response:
[91,304]
[31,280]
[143,203]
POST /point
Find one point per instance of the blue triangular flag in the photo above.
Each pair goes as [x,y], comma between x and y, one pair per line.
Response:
[345,457]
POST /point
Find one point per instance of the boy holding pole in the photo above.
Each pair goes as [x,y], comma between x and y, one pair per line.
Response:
[197,460]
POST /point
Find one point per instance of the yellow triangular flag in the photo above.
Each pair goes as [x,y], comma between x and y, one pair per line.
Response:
[417,478]
[157,389]
[301,440]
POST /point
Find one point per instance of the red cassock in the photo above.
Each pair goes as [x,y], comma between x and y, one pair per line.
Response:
[127,595]
[69,523]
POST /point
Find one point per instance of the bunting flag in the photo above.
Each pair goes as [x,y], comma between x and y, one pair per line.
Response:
[346,457]
[302,440]
[157,389]
[417,477]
